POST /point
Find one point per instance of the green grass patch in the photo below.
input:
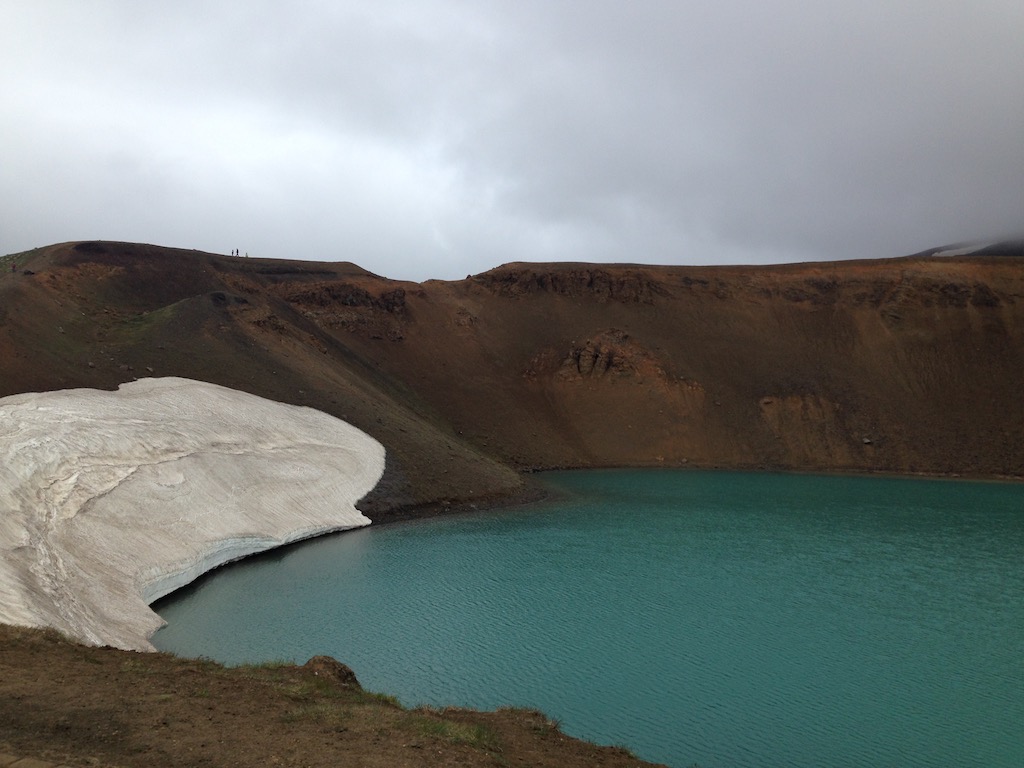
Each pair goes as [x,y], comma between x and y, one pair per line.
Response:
[272,671]
[21,259]
[380,699]
[146,321]
[433,724]
[272,664]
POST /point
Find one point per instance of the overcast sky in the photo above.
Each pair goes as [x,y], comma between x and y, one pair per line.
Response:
[439,138]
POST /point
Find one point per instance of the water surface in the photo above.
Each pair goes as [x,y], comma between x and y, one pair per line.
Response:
[722,619]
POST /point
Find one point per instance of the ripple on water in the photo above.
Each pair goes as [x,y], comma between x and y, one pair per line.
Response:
[718,619]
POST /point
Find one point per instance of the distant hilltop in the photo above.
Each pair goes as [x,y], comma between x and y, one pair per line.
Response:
[907,365]
[1011,247]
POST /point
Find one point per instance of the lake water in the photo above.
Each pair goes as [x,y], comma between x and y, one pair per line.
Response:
[723,619]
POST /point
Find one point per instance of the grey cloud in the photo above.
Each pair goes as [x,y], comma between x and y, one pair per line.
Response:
[438,138]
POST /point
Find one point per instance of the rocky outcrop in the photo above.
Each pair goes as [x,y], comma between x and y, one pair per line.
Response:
[329,668]
[377,315]
[609,355]
[624,285]
[333,294]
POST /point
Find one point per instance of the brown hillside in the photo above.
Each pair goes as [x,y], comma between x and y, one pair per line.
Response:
[903,365]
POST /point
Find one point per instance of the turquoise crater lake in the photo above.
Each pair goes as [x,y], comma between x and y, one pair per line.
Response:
[723,619]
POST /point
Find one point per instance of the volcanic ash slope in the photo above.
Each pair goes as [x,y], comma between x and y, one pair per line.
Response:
[110,500]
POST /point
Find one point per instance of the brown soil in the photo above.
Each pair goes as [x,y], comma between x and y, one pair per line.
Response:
[902,365]
[77,706]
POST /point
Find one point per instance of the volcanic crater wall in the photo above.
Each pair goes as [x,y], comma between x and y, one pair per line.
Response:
[900,365]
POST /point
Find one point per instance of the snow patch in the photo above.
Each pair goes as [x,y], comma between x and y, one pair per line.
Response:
[961,250]
[111,500]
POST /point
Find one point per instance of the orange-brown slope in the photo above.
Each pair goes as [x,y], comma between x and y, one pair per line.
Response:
[905,365]
[900,365]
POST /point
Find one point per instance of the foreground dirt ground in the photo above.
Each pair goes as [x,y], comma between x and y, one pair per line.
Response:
[73,705]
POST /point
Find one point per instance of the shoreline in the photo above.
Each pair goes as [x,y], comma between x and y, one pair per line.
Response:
[534,493]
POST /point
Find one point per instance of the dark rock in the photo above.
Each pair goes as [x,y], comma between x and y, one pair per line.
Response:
[332,669]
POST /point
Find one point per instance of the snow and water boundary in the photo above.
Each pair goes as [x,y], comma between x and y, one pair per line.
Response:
[111,500]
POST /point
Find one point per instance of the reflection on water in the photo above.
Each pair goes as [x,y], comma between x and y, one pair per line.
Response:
[723,619]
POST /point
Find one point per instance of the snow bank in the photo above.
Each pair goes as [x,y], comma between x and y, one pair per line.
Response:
[110,500]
